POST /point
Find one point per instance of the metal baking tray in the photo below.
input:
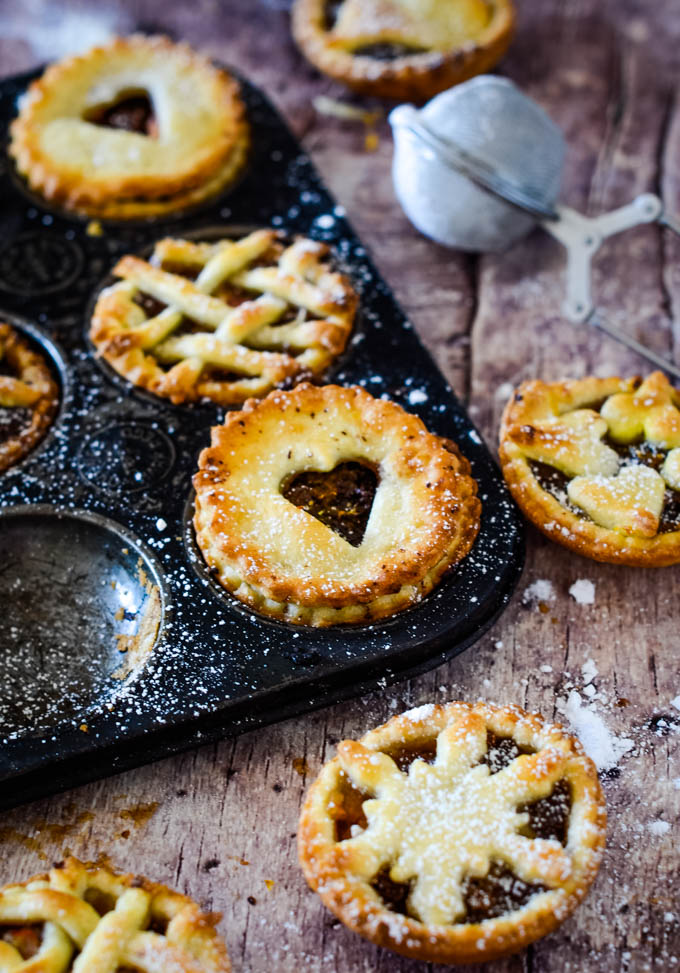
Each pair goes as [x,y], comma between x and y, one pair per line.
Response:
[96,543]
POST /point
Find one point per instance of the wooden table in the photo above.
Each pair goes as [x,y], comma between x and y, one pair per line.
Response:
[220,822]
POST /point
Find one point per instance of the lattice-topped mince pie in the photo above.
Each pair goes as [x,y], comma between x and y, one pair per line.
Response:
[455,834]
[403,49]
[226,320]
[28,396]
[324,505]
[138,127]
[86,919]
[595,464]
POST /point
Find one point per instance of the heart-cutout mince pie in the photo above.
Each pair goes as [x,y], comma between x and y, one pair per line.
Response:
[84,918]
[456,833]
[135,128]
[595,464]
[226,320]
[403,49]
[28,396]
[283,560]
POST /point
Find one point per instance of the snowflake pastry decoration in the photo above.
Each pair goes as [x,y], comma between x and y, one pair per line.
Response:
[457,817]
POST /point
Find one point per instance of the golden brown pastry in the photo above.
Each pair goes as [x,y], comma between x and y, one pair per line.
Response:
[266,537]
[455,834]
[85,918]
[403,49]
[595,464]
[29,397]
[138,127]
[224,321]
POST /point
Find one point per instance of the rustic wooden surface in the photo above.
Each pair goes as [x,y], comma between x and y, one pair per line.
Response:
[220,822]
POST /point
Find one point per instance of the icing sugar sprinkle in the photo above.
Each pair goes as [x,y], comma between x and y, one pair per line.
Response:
[539,590]
[603,747]
[583,592]
[659,828]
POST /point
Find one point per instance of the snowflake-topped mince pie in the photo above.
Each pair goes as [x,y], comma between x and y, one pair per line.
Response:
[86,919]
[403,49]
[224,320]
[456,833]
[323,506]
[28,396]
[137,127]
[595,464]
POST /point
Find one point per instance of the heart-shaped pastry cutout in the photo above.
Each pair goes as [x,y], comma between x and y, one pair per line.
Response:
[132,111]
[572,443]
[630,502]
[341,499]
[652,412]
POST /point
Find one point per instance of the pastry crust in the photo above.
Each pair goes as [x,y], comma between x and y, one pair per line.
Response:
[26,383]
[94,919]
[448,820]
[200,146]
[575,427]
[281,560]
[258,314]
[454,42]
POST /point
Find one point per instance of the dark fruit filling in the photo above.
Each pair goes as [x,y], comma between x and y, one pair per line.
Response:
[404,756]
[346,808]
[14,422]
[499,893]
[133,113]
[388,52]
[27,940]
[549,817]
[393,894]
[501,751]
[341,499]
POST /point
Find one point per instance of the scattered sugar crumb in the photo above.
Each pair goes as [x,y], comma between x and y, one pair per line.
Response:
[589,670]
[498,644]
[505,390]
[161,524]
[539,590]
[676,702]
[659,827]
[583,591]
[603,747]
[417,397]
[546,668]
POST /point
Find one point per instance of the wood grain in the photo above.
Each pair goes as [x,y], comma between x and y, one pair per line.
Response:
[220,822]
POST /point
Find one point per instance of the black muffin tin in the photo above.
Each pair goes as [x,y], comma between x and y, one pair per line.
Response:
[99,515]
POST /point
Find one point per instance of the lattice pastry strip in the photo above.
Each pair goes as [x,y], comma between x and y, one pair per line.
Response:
[97,922]
[447,816]
[259,314]
[28,396]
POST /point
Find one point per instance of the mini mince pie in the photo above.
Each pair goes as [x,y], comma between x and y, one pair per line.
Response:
[224,321]
[136,128]
[323,505]
[595,464]
[86,919]
[28,397]
[455,834]
[403,49]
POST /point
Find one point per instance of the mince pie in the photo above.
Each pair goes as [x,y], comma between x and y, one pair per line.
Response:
[374,537]
[455,834]
[138,127]
[403,49]
[84,918]
[595,464]
[28,396]
[225,320]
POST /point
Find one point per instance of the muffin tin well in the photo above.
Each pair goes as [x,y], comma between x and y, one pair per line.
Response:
[117,647]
